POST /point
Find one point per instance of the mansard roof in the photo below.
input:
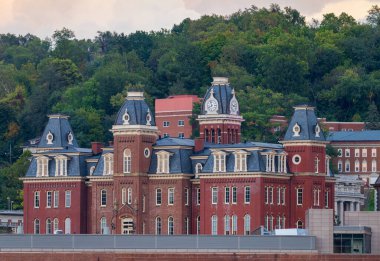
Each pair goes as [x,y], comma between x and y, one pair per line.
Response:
[309,129]
[222,92]
[137,109]
[58,133]
[168,141]
[369,135]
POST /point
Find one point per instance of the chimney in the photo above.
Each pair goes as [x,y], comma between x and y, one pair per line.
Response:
[96,147]
[199,144]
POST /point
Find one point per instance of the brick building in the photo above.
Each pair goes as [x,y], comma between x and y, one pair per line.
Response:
[173,115]
[146,185]
[358,152]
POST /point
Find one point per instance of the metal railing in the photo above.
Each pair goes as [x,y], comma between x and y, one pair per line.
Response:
[188,242]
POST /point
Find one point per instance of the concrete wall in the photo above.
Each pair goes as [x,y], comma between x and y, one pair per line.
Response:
[366,218]
[320,223]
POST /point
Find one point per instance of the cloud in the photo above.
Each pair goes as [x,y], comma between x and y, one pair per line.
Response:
[86,17]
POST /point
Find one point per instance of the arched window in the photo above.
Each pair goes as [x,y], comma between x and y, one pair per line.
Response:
[67,226]
[340,166]
[198,168]
[347,166]
[214,225]
[206,135]
[123,196]
[170,226]
[234,225]
[36,226]
[357,166]
[92,169]
[48,226]
[374,166]
[227,225]
[158,226]
[212,136]
[247,224]
[108,164]
[299,224]
[364,166]
[127,161]
[103,226]
[129,196]
[55,225]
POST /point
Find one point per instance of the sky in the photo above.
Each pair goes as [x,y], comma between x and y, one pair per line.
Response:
[86,17]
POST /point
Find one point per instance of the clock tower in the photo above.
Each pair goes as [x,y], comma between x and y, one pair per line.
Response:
[220,120]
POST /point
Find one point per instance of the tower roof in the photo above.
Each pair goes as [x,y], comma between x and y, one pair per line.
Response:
[135,111]
[304,125]
[223,93]
[58,133]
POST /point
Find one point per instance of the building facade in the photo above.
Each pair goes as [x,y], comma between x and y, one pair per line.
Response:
[144,184]
[173,116]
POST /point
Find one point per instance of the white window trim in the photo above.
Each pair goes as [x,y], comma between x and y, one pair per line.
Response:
[240,161]
[219,161]
[101,198]
[163,161]
[170,196]
[37,199]
[214,190]
[298,190]
[61,165]
[68,198]
[127,161]
[108,164]
[42,166]
[158,189]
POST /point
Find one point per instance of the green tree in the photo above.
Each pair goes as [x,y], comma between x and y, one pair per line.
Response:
[372,118]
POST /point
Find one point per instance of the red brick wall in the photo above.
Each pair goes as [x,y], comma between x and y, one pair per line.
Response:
[76,212]
[211,256]
[308,154]
[224,128]
[173,129]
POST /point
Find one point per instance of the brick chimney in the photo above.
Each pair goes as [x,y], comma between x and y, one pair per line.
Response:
[199,144]
[96,147]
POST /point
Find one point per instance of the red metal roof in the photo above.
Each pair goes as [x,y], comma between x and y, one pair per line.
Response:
[176,103]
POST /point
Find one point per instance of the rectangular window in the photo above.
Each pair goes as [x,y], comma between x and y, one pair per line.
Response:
[187,226]
[166,135]
[373,152]
[129,196]
[299,196]
[270,195]
[326,199]
[103,198]
[339,166]
[186,196]
[347,152]
[56,199]
[357,153]
[181,123]
[158,196]
[181,135]
[234,225]
[219,162]
[227,195]
[67,198]
[340,153]
[347,166]
[266,195]
[234,195]
[214,225]
[214,195]
[364,152]
[316,197]
[48,199]
[283,196]
[166,124]
[198,196]
[247,193]
[36,199]
[170,196]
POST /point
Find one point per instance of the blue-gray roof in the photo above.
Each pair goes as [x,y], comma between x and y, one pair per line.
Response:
[223,94]
[370,135]
[174,142]
[137,110]
[304,117]
[59,126]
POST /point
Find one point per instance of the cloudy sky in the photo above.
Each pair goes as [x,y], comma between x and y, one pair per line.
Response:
[86,17]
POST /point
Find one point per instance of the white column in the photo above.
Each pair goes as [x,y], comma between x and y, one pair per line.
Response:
[336,207]
[351,206]
[341,212]
[285,170]
[273,165]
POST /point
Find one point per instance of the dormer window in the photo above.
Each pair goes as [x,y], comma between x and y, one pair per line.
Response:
[70,138]
[220,161]
[92,169]
[296,130]
[108,164]
[317,131]
[61,165]
[240,161]
[125,117]
[148,118]
[198,168]
[42,166]
[49,138]
[163,165]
